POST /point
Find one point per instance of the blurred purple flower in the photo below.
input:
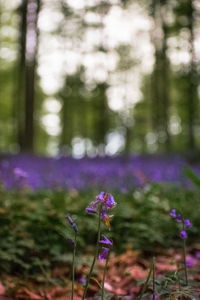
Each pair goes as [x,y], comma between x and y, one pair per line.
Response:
[155,297]
[72,223]
[103,254]
[179,218]
[187,223]
[91,210]
[109,173]
[190,261]
[106,200]
[82,279]
[173,213]
[198,255]
[19,173]
[105,240]
[109,201]
[183,234]
[99,199]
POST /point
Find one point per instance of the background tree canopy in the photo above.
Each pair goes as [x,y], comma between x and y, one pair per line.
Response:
[99,77]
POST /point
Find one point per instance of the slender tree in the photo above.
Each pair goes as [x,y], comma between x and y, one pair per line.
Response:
[192,87]
[28,46]
[160,75]
[19,107]
[31,61]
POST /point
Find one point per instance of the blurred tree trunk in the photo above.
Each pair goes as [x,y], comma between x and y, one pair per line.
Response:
[155,93]
[31,62]
[27,64]
[19,107]
[192,87]
[165,81]
[160,76]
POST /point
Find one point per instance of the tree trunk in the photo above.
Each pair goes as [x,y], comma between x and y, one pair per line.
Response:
[31,61]
[19,107]
[192,88]
[165,84]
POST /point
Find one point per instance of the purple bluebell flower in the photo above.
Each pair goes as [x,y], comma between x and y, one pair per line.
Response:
[198,255]
[173,213]
[106,200]
[187,223]
[105,240]
[154,297]
[72,223]
[190,261]
[109,201]
[179,218]
[183,234]
[91,210]
[100,197]
[99,200]
[82,280]
[103,254]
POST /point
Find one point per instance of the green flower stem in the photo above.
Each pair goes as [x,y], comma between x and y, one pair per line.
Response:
[184,261]
[73,265]
[153,274]
[95,256]
[184,258]
[104,276]
[146,283]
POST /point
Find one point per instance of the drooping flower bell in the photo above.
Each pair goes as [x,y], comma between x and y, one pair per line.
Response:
[72,223]
[105,241]
[183,234]
[103,254]
[188,224]
[173,213]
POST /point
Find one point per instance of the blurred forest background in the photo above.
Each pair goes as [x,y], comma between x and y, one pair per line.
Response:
[88,77]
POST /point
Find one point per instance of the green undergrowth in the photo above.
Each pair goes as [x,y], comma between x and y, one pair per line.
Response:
[34,231]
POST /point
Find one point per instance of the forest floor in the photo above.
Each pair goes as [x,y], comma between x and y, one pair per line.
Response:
[124,273]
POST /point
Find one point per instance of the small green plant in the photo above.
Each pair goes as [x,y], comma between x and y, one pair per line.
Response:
[74,241]
[186,224]
[103,203]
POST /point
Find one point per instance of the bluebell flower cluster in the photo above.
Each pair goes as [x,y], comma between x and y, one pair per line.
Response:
[180,219]
[104,202]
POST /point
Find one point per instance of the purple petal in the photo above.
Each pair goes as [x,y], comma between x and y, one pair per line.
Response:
[183,234]
[109,201]
[179,218]
[188,224]
[105,240]
[103,254]
[173,213]
[91,210]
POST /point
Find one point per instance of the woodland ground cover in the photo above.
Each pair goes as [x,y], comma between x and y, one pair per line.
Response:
[34,233]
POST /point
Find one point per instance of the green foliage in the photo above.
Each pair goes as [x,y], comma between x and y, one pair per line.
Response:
[169,286]
[192,176]
[33,229]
